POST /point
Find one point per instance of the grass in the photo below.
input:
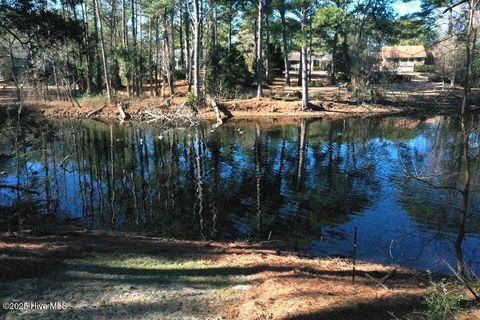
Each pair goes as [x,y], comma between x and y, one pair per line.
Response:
[122,285]
[147,270]
[443,302]
[107,275]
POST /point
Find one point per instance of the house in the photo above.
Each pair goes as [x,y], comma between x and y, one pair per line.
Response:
[178,59]
[10,65]
[403,59]
[319,61]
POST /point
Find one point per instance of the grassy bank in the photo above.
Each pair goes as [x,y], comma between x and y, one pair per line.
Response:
[126,276]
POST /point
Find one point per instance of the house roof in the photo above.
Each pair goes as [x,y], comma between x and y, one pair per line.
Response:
[404,52]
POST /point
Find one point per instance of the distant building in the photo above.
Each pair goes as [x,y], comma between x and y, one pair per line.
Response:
[10,65]
[178,56]
[319,61]
[403,58]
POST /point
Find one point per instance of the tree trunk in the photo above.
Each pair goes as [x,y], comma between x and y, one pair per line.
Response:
[285,44]
[196,52]
[157,55]
[230,25]
[468,63]
[260,48]
[134,46]
[140,59]
[180,39]
[113,23]
[150,54]
[125,41]
[305,65]
[104,54]
[267,46]
[172,52]
[189,54]
[167,50]
[87,46]
[346,54]
[300,68]
[305,74]
[98,68]
[333,78]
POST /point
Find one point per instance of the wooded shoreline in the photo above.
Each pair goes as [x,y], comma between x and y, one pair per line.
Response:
[140,110]
[326,101]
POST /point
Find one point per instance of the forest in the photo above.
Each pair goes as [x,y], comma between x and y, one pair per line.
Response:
[223,48]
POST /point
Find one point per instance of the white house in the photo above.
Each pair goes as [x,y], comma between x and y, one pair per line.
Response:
[319,61]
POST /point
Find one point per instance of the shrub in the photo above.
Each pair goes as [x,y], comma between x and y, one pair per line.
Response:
[191,98]
[424,68]
[442,303]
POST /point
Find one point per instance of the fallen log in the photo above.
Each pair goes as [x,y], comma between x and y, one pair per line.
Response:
[219,109]
[167,101]
[94,112]
[124,116]
[183,114]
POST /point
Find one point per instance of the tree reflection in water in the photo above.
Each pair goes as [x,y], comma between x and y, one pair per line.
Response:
[448,171]
[308,182]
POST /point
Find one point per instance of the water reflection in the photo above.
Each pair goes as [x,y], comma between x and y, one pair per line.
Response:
[409,185]
[449,169]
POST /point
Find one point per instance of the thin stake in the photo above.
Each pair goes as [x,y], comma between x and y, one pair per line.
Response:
[354,253]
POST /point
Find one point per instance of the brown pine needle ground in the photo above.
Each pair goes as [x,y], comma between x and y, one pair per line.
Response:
[131,276]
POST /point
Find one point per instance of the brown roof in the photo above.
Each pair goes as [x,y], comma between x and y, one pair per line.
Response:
[404,52]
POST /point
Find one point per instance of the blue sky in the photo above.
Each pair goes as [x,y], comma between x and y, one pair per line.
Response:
[403,8]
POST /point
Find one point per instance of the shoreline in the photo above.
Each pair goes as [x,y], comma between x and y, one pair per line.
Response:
[327,103]
[247,109]
[336,111]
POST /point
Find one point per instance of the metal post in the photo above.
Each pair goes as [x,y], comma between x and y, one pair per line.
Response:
[354,253]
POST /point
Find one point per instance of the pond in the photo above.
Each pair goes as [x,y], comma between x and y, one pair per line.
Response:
[410,186]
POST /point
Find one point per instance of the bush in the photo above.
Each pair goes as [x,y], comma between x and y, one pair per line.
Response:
[442,303]
[424,68]
[191,99]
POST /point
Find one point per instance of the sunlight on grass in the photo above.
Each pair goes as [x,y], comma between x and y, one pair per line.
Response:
[147,271]
[116,284]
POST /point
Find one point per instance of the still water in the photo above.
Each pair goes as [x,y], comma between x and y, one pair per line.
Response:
[410,186]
